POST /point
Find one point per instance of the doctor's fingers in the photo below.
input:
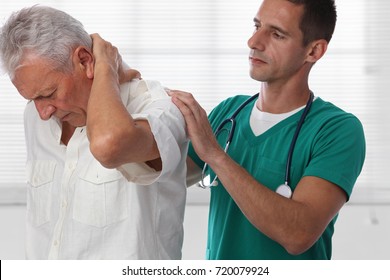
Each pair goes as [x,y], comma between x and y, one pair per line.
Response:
[185,97]
[198,127]
[195,116]
[188,105]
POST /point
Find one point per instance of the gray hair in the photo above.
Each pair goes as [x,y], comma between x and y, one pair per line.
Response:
[44,32]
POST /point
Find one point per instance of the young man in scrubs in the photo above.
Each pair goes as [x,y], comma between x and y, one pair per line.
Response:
[249,218]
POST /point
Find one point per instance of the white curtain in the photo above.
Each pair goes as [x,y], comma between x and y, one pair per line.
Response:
[200,46]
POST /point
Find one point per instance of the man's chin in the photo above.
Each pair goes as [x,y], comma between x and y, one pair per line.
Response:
[257,77]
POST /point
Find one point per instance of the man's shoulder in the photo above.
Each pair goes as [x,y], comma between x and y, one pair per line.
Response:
[141,89]
[236,99]
[228,106]
[231,103]
[140,86]
[327,114]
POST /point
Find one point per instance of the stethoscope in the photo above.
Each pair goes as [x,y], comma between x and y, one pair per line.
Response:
[284,189]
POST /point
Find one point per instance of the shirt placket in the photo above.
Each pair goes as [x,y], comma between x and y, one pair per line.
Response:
[71,160]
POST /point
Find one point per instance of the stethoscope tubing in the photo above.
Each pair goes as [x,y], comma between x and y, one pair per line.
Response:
[232,120]
[231,134]
[295,138]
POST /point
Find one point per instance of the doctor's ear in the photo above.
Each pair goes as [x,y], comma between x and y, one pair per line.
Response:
[316,50]
[83,58]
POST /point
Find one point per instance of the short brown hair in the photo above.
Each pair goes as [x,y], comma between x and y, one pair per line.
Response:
[318,20]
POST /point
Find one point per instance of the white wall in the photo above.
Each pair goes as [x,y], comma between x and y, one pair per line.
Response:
[12,220]
[362,231]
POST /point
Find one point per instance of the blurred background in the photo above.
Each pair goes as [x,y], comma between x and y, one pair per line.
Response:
[200,46]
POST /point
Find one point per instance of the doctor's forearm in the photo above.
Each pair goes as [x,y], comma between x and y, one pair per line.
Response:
[283,220]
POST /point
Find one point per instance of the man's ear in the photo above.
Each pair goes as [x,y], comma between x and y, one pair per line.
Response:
[83,58]
[316,50]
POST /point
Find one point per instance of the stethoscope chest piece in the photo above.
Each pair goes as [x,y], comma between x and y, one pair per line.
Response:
[284,190]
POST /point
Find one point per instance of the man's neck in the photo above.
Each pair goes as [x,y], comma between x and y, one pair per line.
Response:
[67,132]
[282,100]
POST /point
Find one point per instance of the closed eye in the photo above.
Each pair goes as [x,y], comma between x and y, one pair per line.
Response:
[46,96]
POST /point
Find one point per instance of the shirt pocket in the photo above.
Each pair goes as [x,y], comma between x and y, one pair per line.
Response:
[100,197]
[271,173]
[40,175]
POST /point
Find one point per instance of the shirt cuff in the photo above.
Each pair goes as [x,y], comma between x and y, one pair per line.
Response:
[139,173]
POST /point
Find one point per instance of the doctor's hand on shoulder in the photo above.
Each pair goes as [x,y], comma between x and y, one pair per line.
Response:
[198,126]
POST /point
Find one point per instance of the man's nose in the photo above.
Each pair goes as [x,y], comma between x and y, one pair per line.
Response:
[44,109]
[257,40]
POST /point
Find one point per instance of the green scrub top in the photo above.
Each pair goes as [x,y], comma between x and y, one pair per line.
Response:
[330,145]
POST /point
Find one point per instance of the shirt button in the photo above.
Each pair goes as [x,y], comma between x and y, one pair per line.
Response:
[55,243]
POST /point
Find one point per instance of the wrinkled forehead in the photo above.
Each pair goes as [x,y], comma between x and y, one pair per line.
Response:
[28,57]
[32,76]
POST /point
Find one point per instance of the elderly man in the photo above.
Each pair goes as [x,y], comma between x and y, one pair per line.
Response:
[106,161]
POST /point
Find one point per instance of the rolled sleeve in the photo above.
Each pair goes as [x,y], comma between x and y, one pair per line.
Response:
[150,102]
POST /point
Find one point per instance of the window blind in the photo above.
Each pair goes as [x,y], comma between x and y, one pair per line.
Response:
[200,46]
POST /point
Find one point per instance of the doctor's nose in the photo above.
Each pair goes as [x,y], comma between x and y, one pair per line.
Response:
[44,109]
[257,40]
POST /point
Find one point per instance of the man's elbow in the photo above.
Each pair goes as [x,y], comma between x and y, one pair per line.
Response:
[299,245]
[297,249]
[105,150]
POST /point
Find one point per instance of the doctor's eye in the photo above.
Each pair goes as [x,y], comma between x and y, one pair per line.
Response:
[256,26]
[278,35]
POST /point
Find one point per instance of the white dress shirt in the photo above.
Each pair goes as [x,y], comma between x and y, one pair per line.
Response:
[77,209]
